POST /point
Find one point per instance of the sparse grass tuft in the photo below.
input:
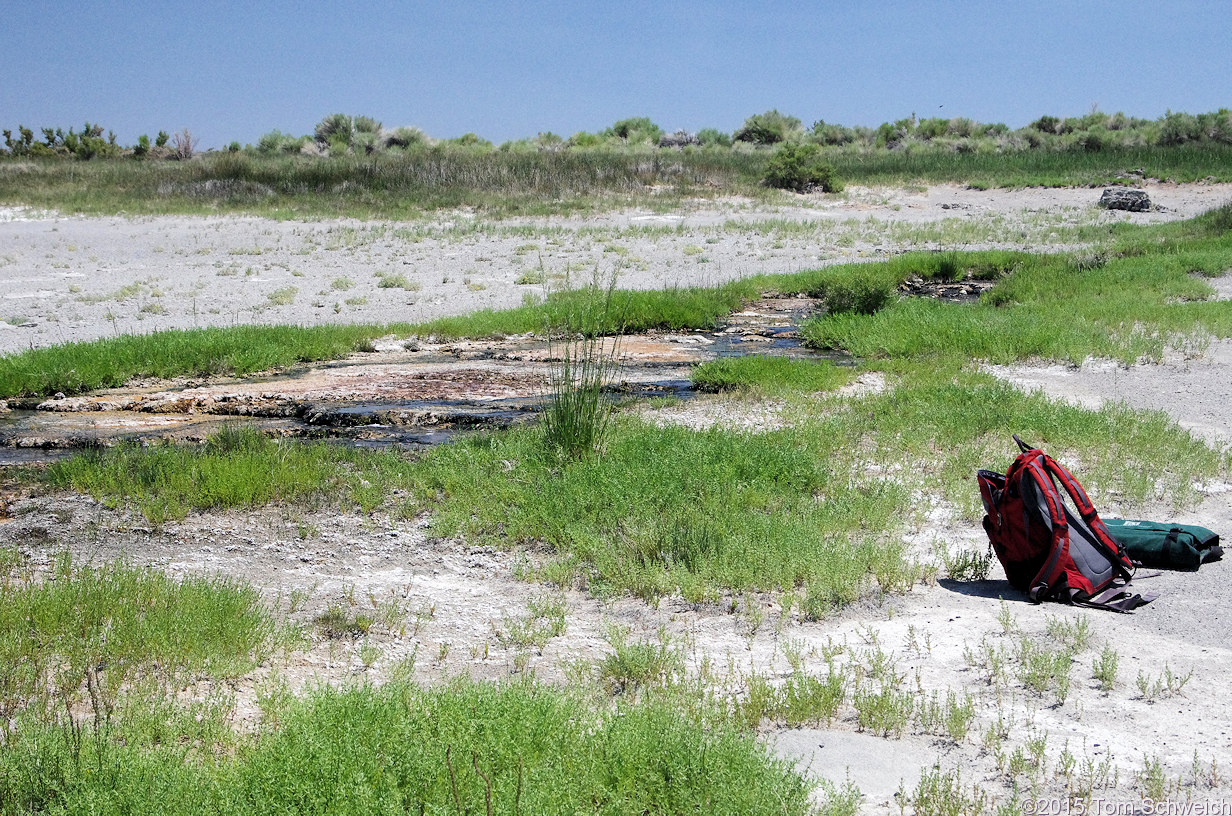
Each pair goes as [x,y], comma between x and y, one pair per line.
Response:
[1104,668]
[637,664]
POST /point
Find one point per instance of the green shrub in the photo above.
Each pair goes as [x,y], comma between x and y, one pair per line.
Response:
[1179,128]
[769,128]
[636,131]
[406,137]
[335,126]
[801,167]
[1046,124]
[710,137]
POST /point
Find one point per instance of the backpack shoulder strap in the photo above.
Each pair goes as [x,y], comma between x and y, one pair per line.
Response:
[1035,486]
[1089,516]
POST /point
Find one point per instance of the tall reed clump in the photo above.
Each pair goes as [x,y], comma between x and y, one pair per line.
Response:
[577,417]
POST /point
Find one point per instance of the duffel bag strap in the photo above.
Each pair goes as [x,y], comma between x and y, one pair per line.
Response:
[1116,599]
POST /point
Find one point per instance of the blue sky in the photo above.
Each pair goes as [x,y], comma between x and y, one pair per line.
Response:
[507,70]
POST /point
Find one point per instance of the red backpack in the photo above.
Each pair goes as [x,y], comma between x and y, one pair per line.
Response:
[1047,550]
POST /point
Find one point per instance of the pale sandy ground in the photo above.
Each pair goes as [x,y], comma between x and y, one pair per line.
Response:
[76,278]
[457,600]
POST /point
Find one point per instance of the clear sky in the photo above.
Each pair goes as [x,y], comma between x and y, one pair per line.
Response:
[506,70]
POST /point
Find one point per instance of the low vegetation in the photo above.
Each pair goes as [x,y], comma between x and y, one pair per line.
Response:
[110,676]
[467,747]
[355,166]
[82,636]
[73,368]
[769,374]
[1129,302]
[77,367]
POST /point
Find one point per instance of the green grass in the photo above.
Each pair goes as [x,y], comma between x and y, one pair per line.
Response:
[1128,304]
[73,368]
[769,374]
[630,311]
[238,468]
[402,186]
[86,633]
[1031,168]
[668,508]
[464,748]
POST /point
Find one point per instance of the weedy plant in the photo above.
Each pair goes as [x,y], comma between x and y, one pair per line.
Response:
[884,711]
[942,793]
[1168,684]
[546,620]
[965,564]
[1104,668]
[951,717]
[84,635]
[641,663]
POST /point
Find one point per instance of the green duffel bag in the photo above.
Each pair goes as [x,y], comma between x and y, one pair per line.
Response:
[1170,546]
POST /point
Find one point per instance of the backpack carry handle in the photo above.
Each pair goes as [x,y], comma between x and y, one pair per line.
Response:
[1025,447]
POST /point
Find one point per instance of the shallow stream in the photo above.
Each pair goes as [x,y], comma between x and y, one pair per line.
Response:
[408,395]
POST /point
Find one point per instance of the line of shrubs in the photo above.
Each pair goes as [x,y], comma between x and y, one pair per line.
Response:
[341,134]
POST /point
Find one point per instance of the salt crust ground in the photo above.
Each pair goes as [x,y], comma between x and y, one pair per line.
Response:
[458,599]
[76,278]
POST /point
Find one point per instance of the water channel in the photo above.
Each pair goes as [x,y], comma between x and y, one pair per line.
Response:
[408,395]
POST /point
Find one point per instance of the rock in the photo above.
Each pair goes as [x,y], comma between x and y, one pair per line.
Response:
[1120,198]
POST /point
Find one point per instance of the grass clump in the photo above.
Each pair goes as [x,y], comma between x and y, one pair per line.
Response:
[769,373]
[637,664]
[467,747]
[803,699]
[576,416]
[282,297]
